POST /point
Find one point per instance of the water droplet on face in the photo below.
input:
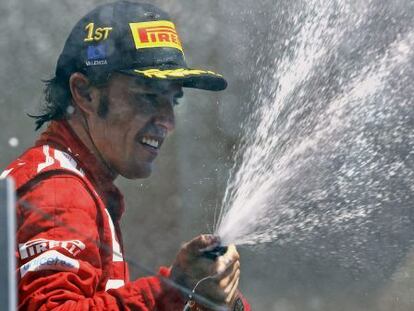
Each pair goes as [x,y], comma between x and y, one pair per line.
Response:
[70,109]
[13,142]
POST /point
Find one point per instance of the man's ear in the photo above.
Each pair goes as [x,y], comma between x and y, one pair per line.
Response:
[83,94]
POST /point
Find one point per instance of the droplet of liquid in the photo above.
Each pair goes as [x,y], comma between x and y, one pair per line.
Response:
[70,109]
[13,142]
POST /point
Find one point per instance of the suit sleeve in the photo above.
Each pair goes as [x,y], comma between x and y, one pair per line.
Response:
[245,303]
[59,261]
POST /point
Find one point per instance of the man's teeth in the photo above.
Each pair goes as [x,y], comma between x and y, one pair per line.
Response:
[151,142]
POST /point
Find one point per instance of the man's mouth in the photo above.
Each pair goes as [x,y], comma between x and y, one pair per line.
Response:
[151,142]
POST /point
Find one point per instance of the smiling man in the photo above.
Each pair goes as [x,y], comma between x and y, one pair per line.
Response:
[110,108]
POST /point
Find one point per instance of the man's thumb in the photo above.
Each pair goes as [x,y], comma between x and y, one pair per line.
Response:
[202,243]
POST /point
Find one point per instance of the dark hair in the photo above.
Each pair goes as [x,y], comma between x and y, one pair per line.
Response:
[58,98]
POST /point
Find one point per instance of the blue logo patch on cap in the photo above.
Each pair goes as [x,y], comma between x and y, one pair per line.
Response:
[96,52]
[96,55]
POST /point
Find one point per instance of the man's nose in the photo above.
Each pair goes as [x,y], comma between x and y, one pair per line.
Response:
[165,117]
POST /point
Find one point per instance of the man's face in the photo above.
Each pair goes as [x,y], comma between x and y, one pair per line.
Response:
[139,117]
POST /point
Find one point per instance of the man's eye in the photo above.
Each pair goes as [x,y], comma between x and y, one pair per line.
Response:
[152,98]
[176,101]
[149,97]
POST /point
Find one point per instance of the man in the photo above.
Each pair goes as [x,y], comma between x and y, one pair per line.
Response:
[111,106]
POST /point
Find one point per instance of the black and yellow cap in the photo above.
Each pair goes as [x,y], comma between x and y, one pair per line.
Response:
[133,38]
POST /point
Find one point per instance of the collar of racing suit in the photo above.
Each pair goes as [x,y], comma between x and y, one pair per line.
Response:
[60,135]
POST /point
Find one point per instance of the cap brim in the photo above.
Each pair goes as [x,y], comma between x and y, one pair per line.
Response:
[194,78]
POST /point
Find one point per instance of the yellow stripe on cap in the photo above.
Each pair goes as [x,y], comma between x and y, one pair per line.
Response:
[155,34]
[173,73]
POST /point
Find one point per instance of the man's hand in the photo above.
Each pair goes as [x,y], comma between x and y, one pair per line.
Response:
[190,266]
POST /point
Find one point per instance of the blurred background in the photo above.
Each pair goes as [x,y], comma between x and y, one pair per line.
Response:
[177,202]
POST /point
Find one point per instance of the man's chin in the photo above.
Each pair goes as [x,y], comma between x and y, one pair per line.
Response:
[143,171]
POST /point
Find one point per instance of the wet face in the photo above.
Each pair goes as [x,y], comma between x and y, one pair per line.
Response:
[131,123]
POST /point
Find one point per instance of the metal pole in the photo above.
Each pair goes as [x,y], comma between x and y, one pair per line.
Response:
[8,296]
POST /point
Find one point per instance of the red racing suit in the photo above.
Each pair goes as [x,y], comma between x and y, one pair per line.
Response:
[69,252]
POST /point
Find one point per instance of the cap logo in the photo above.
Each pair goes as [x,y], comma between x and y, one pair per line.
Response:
[155,34]
[96,34]
[96,55]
